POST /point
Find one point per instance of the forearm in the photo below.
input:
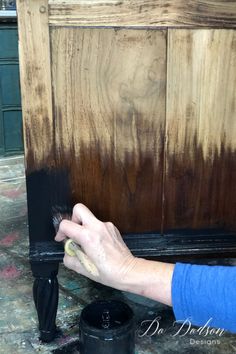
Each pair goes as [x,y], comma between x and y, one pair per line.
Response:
[150,279]
[196,292]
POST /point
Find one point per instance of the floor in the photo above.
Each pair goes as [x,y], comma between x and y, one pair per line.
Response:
[18,319]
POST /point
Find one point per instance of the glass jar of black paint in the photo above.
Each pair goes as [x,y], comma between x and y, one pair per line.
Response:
[107,327]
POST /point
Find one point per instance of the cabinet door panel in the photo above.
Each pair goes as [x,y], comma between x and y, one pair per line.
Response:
[8,43]
[12,121]
[10,102]
[109,115]
[9,84]
[200,189]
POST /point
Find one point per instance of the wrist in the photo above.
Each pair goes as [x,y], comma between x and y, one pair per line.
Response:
[151,279]
[134,279]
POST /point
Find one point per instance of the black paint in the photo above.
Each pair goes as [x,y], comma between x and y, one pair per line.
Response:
[183,243]
[45,293]
[213,243]
[45,190]
[46,251]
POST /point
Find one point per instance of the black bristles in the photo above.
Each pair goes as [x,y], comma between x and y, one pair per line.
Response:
[60,197]
[58,214]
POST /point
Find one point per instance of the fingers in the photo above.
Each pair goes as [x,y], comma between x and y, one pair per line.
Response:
[73,264]
[72,230]
[82,215]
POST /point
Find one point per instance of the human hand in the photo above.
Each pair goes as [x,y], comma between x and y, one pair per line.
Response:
[102,243]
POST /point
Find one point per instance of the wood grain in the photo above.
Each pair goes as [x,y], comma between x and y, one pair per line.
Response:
[143,13]
[35,77]
[109,101]
[201,129]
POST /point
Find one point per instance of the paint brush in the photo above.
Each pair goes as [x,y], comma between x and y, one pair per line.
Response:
[72,248]
[61,204]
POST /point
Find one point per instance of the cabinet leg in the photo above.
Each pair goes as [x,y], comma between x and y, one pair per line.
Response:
[46,293]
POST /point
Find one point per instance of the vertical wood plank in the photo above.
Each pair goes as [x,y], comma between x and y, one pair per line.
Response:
[109,101]
[200,189]
[35,75]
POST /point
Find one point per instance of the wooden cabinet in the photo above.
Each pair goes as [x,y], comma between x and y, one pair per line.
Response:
[136,101]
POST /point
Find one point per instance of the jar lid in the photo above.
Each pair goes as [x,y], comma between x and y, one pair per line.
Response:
[107,320]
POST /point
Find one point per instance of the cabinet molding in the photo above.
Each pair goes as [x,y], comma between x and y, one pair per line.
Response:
[143,13]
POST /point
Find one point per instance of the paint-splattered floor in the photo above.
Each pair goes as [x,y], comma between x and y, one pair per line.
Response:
[18,321]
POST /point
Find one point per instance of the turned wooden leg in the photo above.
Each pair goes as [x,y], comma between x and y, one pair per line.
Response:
[45,293]
[45,254]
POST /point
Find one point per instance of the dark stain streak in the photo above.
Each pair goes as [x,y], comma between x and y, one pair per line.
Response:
[201,192]
[131,186]
[119,3]
[233,46]
[29,74]
[165,12]
[40,90]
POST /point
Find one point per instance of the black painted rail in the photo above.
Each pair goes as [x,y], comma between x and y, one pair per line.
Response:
[177,243]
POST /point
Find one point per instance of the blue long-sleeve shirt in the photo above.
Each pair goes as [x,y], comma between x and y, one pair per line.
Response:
[203,293]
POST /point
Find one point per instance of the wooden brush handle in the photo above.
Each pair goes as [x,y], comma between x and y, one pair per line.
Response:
[74,250]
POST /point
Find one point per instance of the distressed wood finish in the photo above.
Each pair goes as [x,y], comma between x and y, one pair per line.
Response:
[109,95]
[200,189]
[143,13]
[35,76]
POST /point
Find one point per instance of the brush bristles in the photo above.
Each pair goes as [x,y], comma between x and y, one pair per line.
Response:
[59,214]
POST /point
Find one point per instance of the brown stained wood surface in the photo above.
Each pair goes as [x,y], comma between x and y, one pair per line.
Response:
[143,13]
[109,101]
[35,77]
[199,188]
[106,120]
